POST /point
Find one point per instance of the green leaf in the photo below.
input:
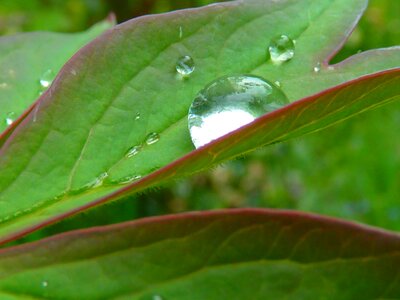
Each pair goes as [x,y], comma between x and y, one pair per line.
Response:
[26,58]
[242,254]
[53,164]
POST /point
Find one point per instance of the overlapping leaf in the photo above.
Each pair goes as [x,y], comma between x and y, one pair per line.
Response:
[86,123]
[244,254]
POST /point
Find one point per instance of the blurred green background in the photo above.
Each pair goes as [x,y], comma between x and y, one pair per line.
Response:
[351,170]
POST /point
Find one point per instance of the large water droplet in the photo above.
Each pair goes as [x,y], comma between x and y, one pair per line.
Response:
[10,118]
[185,65]
[46,79]
[134,151]
[229,103]
[281,49]
[152,138]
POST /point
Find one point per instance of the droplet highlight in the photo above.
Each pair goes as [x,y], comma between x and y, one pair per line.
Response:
[185,66]
[229,103]
[46,79]
[10,118]
[134,151]
[137,116]
[317,68]
[45,284]
[152,138]
[281,49]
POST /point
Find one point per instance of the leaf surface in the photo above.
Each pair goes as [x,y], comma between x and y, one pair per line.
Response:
[27,58]
[70,152]
[236,254]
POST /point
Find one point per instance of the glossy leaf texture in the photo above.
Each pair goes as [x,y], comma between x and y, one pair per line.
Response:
[236,254]
[29,62]
[70,153]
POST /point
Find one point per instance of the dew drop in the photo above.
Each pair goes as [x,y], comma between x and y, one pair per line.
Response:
[281,49]
[134,151]
[185,66]
[229,103]
[317,68]
[10,118]
[137,116]
[278,83]
[157,297]
[152,138]
[45,284]
[46,79]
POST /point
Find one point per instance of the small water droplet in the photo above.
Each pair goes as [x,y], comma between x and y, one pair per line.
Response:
[10,118]
[95,183]
[180,32]
[278,83]
[152,138]
[229,103]
[45,284]
[98,181]
[157,297]
[317,68]
[3,85]
[137,116]
[185,65]
[281,49]
[46,79]
[134,151]
[128,179]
